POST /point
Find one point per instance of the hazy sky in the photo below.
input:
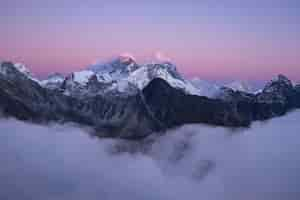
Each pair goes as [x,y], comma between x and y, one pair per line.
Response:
[211,39]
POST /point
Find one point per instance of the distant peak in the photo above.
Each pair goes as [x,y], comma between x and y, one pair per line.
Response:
[82,77]
[55,75]
[124,61]
[282,78]
[126,58]
[10,67]
[278,82]
[242,86]
[22,68]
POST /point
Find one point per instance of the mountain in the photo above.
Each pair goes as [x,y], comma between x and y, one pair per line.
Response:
[157,101]
[172,107]
[278,96]
[165,70]
[115,69]
[115,116]
[22,68]
[240,86]
[206,88]
[125,71]
[121,76]
[213,90]
[296,102]
[53,81]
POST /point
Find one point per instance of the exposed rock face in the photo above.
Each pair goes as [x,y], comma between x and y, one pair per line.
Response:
[172,107]
[24,99]
[296,99]
[276,98]
[53,81]
[157,107]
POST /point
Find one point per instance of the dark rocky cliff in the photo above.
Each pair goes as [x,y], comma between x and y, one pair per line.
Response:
[156,108]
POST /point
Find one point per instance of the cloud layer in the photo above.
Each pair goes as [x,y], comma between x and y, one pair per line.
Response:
[191,162]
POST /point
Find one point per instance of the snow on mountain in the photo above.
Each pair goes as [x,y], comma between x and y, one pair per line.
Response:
[54,78]
[115,68]
[277,84]
[125,74]
[105,77]
[277,81]
[258,91]
[240,86]
[20,67]
[142,76]
[53,81]
[23,69]
[76,84]
[205,87]
[167,71]
[139,77]
[82,77]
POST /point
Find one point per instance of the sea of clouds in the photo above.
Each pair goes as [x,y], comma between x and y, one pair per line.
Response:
[191,162]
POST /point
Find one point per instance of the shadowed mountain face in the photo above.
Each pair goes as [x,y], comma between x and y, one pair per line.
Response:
[26,100]
[173,107]
[156,107]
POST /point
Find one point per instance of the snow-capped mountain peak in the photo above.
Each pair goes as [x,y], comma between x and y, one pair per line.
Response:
[24,70]
[77,83]
[124,76]
[127,58]
[82,77]
[283,79]
[20,67]
[114,69]
[123,63]
[206,88]
[278,83]
[55,77]
[167,71]
[242,86]
[53,81]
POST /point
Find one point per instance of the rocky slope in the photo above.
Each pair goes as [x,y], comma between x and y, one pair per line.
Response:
[157,106]
[25,99]
[120,76]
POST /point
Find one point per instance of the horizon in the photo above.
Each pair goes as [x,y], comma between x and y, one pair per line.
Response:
[149,99]
[210,40]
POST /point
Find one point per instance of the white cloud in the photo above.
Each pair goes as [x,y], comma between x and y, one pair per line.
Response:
[160,56]
[191,162]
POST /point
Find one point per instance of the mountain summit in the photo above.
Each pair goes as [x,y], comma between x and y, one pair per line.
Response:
[122,64]
[120,76]
[151,98]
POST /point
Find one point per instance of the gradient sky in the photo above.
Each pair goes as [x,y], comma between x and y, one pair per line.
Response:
[233,39]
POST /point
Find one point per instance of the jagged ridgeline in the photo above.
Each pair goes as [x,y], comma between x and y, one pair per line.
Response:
[124,99]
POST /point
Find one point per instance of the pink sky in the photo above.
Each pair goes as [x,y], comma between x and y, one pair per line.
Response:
[210,40]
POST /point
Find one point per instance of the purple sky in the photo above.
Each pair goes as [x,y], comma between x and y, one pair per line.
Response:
[218,40]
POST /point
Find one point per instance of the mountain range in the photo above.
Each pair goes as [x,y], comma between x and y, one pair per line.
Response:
[122,98]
